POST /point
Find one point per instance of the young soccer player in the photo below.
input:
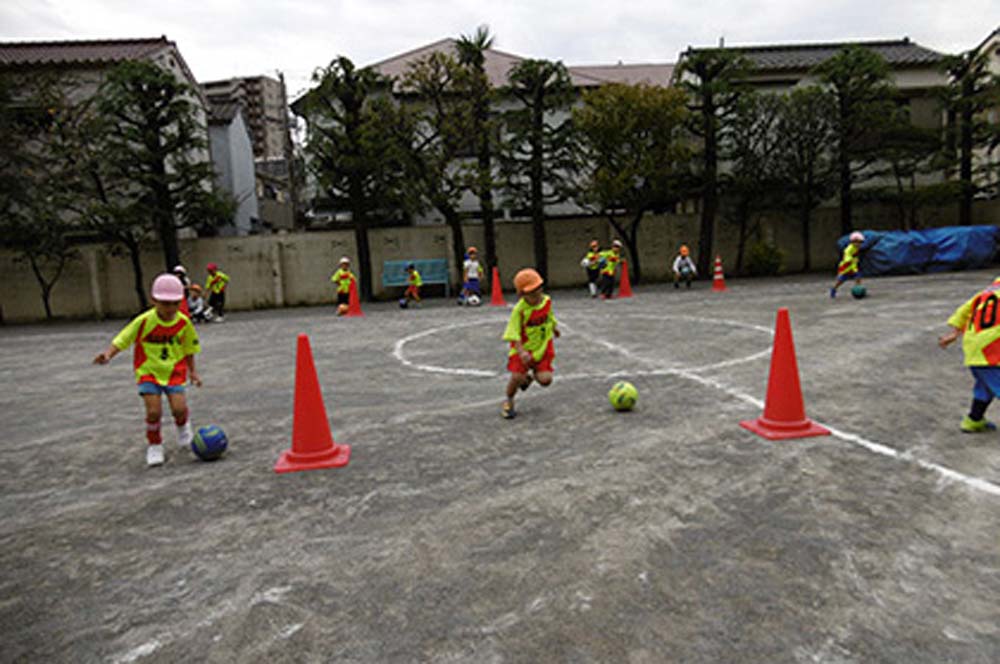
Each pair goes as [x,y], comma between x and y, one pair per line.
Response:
[181,273]
[200,312]
[216,287]
[530,331]
[592,263]
[684,268]
[472,272]
[343,278]
[849,263]
[165,345]
[611,258]
[414,282]
[976,322]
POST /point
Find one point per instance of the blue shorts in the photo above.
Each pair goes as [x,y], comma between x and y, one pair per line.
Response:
[472,285]
[987,383]
[848,275]
[156,388]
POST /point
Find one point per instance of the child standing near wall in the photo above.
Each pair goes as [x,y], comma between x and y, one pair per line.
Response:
[684,268]
[611,258]
[976,322]
[414,282]
[530,331]
[592,263]
[343,278]
[472,273]
[216,287]
[165,345]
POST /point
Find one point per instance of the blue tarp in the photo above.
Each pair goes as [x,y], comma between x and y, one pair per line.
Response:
[930,250]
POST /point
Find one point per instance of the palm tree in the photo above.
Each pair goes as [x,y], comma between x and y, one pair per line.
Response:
[472,54]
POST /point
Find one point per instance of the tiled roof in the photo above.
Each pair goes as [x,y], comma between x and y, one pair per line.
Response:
[898,53]
[222,113]
[630,74]
[13,54]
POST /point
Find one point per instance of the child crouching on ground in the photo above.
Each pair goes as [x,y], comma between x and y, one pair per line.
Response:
[976,321]
[530,331]
[165,345]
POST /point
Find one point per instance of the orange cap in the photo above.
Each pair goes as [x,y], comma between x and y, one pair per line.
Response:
[472,250]
[527,280]
[594,244]
[684,250]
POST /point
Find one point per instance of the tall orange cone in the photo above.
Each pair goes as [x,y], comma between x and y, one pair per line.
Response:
[353,301]
[312,443]
[625,285]
[784,411]
[496,290]
[718,279]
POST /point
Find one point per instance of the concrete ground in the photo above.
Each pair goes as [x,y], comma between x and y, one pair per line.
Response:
[571,534]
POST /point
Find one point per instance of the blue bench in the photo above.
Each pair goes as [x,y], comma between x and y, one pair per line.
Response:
[432,271]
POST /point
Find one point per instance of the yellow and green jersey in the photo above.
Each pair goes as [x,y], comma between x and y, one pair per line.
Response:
[977,319]
[593,260]
[217,282]
[343,279]
[849,261]
[414,279]
[611,258]
[161,347]
[532,326]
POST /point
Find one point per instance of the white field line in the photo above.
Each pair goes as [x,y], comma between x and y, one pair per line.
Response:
[872,446]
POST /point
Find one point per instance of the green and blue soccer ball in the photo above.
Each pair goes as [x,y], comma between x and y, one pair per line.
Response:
[623,396]
[859,292]
[209,443]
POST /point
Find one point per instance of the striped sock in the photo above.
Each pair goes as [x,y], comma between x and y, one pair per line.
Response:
[153,432]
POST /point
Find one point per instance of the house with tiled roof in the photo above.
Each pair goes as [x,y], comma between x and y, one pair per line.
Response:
[915,70]
[86,63]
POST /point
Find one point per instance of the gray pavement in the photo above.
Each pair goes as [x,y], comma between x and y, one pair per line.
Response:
[571,534]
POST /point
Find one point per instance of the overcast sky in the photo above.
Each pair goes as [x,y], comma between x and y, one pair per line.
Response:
[225,38]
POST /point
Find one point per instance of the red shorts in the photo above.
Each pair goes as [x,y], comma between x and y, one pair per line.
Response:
[515,365]
[412,291]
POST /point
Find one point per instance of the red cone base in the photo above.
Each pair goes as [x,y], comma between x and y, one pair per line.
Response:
[353,301]
[313,446]
[625,285]
[784,411]
[496,291]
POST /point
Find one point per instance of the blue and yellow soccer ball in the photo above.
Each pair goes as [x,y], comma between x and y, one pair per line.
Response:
[859,292]
[209,443]
[623,396]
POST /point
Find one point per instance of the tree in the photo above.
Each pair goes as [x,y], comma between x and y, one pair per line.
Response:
[909,152]
[749,145]
[971,92]
[358,144]
[34,192]
[441,136]
[154,142]
[711,78]
[864,97]
[538,154]
[635,158]
[472,55]
[805,158]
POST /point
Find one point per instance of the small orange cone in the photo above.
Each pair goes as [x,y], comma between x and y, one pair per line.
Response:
[784,411]
[353,301]
[496,291]
[718,279]
[625,285]
[312,443]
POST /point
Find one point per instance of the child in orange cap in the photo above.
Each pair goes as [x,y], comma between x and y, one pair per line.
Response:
[165,345]
[216,286]
[530,332]
[472,273]
[684,269]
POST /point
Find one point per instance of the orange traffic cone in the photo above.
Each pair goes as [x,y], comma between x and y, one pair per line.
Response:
[312,443]
[353,301]
[718,279]
[496,291]
[784,411]
[625,285]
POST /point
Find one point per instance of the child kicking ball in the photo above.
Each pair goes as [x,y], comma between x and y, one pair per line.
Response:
[165,345]
[530,332]
[976,322]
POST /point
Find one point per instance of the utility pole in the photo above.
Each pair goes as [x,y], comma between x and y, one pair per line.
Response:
[289,150]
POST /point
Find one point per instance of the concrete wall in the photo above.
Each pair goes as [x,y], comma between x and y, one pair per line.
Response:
[295,269]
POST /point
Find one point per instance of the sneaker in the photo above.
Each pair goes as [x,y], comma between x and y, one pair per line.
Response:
[508,411]
[833,293]
[527,383]
[220,319]
[184,436]
[154,455]
[677,285]
[970,425]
